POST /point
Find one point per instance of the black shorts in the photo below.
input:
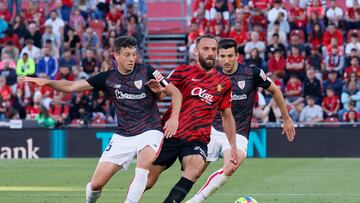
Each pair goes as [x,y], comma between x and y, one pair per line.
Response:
[176,148]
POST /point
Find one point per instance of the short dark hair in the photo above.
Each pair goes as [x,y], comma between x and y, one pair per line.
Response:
[227,43]
[208,36]
[124,42]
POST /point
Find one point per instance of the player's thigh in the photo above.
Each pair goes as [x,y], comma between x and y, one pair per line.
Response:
[154,173]
[103,173]
[194,166]
[145,157]
[148,147]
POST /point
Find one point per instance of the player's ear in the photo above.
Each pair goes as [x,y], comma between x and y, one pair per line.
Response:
[196,51]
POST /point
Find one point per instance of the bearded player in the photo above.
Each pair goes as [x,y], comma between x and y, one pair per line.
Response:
[245,80]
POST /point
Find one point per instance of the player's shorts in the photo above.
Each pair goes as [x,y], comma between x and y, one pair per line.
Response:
[219,143]
[176,148]
[122,150]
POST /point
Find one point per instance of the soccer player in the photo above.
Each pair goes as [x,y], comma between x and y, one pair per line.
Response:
[204,92]
[245,81]
[139,132]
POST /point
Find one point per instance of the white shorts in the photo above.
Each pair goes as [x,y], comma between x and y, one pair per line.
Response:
[219,143]
[122,150]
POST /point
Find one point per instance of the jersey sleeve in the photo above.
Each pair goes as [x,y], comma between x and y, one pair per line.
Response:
[260,78]
[176,77]
[155,74]
[98,81]
[226,99]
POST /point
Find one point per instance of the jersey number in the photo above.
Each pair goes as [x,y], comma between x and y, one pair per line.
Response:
[109,146]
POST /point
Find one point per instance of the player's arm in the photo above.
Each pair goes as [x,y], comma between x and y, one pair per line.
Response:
[60,85]
[289,128]
[172,123]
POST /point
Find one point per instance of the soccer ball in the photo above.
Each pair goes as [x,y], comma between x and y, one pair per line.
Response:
[246,199]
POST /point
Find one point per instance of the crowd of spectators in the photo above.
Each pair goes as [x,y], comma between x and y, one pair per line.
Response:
[309,48]
[61,39]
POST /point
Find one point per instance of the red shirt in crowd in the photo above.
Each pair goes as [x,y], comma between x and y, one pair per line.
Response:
[296,59]
[114,18]
[47,91]
[5,92]
[58,110]
[351,12]
[319,10]
[297,11]
[350,70]
[240,38]
[258,20]
[37,15]
[337,34]
[32,111]
[68,3]
[261,4]
[330,103]
[346,116]
[276,66]
[297,86]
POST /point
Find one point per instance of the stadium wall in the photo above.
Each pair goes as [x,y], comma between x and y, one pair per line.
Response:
[90,142]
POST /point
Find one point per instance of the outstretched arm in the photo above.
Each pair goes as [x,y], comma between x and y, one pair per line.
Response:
[60,85]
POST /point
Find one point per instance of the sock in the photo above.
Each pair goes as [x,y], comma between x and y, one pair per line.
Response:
[179,191]
[137,187]
[214,182]
[91,196]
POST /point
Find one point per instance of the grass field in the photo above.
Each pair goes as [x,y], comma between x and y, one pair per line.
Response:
[267,180]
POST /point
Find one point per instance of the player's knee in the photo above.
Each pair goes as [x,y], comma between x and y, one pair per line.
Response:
[150,183]
[193,174]
[96,186]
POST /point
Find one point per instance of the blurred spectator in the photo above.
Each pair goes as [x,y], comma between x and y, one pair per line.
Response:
[263,5]
[353,53]
[6,15]
[10,36]
[113,19]
[50,34]
[90,40]
[19,104]
[295,64]
[316,37]
[43,118]
[67,60]
[220,6]
[10,75]
[80,107]
[276,30]
[219,20]
[47,64]
[351,115]
[255,60]
[271,113]
[352,17]
[77,21]
[134,28]
[277,64]
[63,9]
[17,6]
[353,44]
[5,90]
[34,14]
[312,86]
[240,36]
[354,68]
[56,23]
[275,45]
[25,66]
[293,90]
[350,3]
[353,78]
[295,42]
[334,61]
[257,18]
[312,113]
[316,7]
[334,14]
[10,50]
[333,82]
[53,50]
[19,27]
[34,34]
[314,19]
[315,61]
[297,16]
[351,94]
[3,27]
[10,62]
[332,32]
[259,104]
[255,43]
[33,51]
[107,62]
[58,111]
[295,112]
[72,41]
[90,64]
[64,74]
[273,13]
[330,104]
[34,108]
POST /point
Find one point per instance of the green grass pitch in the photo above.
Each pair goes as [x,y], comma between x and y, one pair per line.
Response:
[267,180]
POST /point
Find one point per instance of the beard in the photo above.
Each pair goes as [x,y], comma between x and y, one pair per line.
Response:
[208,65]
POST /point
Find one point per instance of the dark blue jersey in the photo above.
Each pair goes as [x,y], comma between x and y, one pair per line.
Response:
[135,104]
[244,83]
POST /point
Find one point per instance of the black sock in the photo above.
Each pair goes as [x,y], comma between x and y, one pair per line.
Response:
[179,191]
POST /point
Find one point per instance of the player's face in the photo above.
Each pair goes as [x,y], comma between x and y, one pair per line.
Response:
[206,53]
[126,59]
[227,59]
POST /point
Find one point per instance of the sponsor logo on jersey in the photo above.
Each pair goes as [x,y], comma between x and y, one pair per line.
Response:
[241,84]
[238,97]
[208,98]
[157,75]
[219,87]
[121,95]
[117,86]
[138,84]
[197,148]
[263,75]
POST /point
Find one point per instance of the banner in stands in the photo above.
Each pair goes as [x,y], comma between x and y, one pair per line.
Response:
[91,142]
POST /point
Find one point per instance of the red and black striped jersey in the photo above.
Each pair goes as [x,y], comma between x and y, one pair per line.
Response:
[203,94]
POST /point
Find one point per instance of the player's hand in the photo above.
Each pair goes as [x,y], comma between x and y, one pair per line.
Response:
[38,81]
[235,158]
[289,129]
[171,127]
[155,86]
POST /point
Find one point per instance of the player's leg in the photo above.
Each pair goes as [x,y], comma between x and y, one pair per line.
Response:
[103,172]
[193,158]
[149,145]
[219,177]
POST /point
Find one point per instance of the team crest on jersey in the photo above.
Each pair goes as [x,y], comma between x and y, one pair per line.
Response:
[117,86]
[241,84]
[219,87]
[138,84]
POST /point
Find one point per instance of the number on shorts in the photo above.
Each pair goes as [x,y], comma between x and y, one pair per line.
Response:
[109,146]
